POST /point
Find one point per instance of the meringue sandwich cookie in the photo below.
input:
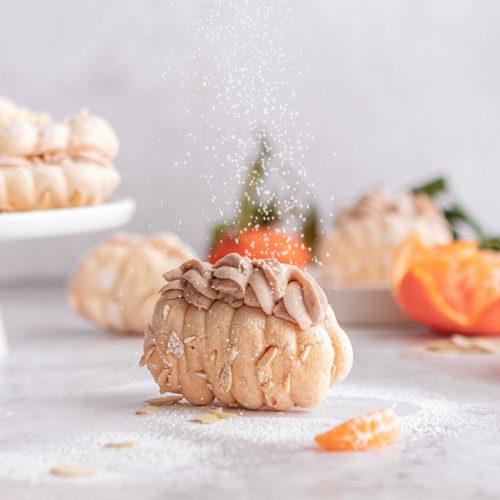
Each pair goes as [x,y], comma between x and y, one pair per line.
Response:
[115,285]
[360,249]
[249,333]
[45,164]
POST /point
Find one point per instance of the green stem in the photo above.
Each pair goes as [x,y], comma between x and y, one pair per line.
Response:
[432,188]
[249,196]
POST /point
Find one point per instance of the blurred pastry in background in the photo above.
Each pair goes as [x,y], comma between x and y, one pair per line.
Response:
[361,247]
[46,164]
[115,285]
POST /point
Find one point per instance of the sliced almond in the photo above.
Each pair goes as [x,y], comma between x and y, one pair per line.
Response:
[73,471]
[224,415]
[166,312]
[462,344]
[261,376]
[147,354]
[267,357]
[286,383]
[213,357]
[305,353]
[206,418]
[270,401]
[226,378]
[200,375]
[461,341]
[491,346]
[163,376]
[123,444]
[444,350]
[146,410]
[190,340]
[438,346]
[165,401]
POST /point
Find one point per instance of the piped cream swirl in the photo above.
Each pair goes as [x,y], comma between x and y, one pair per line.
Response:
[281,290]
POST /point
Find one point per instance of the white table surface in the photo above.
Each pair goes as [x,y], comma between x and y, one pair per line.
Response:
[67,389]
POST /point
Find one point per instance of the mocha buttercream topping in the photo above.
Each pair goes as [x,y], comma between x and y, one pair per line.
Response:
[281,290]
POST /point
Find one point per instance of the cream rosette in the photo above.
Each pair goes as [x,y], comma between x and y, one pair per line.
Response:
[45,164]
[115,285]
[360,249]
[249,333]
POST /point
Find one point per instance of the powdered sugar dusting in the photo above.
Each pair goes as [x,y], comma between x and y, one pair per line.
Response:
[67,393]
[174,345]
[170,442]
[239,98]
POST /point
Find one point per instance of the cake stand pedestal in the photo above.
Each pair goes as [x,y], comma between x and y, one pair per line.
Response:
[19,226]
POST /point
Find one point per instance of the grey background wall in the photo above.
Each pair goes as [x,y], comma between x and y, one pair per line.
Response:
[389,92]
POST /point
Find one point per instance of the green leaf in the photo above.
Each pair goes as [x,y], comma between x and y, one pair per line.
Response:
[490,244]
[456,215]
[218,233]
[264,215]
[310,228]
[432,188]
[250,200]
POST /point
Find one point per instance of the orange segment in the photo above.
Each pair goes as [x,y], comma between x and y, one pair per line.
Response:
[373,430]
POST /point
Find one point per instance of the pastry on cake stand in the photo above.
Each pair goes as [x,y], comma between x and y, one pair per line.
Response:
[56,177]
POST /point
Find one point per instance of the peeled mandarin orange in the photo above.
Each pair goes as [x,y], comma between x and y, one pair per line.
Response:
[452,288]
[268,243]
[226,246]
[373,430]
[265,243]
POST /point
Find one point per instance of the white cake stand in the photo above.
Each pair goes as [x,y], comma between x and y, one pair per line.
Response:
[19,226]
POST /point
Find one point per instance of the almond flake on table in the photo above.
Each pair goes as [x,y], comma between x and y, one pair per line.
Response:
[123,444]
[206,418]
[223,415]
[461,344]
[73,471]
[146,410]
[165,401]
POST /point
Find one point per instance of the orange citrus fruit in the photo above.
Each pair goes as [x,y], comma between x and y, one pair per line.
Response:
[225,246]
[373,430]
[264,243]
[452,288]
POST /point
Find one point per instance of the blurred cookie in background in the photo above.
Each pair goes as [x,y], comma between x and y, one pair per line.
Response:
[115,285]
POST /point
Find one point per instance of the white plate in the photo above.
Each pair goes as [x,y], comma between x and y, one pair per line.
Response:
[65,221]
[365,306]
[61,222]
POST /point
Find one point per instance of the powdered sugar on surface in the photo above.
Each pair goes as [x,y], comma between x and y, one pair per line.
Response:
[66,393]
